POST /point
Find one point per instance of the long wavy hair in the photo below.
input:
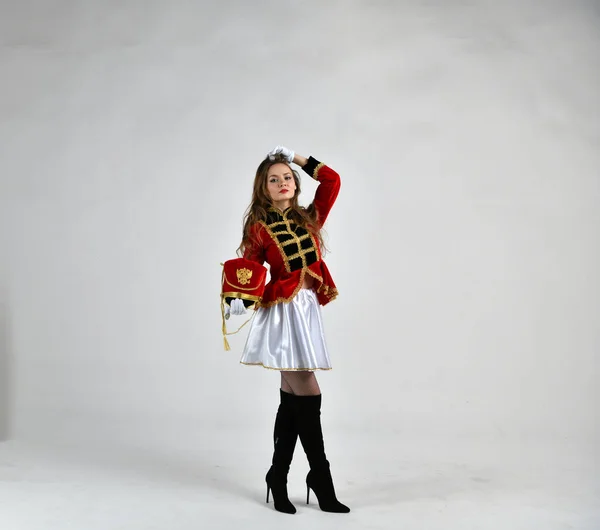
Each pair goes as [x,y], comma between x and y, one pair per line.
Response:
[261,201]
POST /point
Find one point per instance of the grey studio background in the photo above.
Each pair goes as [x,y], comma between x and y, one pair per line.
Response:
[464,244]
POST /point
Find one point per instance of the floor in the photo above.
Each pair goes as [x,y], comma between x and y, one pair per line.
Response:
[217,482]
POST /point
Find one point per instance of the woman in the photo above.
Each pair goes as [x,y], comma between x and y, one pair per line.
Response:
[287,332]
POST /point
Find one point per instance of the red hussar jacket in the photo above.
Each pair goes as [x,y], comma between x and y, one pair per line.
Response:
[292,251]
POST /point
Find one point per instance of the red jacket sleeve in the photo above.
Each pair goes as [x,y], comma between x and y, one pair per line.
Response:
[328,189]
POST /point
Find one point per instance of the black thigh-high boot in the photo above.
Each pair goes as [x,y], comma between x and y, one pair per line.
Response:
[308,422]
[284,440]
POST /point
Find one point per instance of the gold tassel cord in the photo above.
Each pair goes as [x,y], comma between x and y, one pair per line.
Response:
[238,329]
[223,326]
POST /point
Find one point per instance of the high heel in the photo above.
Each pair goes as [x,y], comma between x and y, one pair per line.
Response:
[321,483]
[278,486]
[284,440]
[308,419]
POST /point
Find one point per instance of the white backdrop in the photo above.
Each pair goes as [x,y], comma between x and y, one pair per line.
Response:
[464,243]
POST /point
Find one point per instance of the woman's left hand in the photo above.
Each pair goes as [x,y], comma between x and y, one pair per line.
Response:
[284,151]
[237,307]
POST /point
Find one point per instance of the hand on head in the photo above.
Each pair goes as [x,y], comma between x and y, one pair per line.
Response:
[287,153]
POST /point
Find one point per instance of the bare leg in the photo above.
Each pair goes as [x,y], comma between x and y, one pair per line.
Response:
[300,383]
[285,386]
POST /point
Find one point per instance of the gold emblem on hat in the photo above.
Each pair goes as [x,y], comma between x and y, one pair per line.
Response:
[244,275]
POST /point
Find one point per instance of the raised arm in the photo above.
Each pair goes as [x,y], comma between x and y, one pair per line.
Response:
[329,184]
[329,180]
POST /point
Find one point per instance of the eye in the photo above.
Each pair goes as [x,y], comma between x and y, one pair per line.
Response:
[288,177]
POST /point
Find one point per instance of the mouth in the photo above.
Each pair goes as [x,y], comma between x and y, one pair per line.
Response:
[284,191]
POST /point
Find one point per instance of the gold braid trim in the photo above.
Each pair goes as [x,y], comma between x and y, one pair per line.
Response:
[298,254]
[315,276]
[290,241]
[295,239]
[276,241]
[284,369]
[243,296]
[237,286]
[315,174]
[330,292]
[301,254]
[286,259]
[289,298]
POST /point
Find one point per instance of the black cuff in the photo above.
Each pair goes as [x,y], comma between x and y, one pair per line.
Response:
[310,166]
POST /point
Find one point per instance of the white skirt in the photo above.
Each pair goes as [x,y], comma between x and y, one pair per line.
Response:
[288,336]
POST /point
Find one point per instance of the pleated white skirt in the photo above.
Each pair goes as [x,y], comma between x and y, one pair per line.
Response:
[288,336]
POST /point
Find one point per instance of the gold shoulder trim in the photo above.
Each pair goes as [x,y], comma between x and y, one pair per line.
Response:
[315,174]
